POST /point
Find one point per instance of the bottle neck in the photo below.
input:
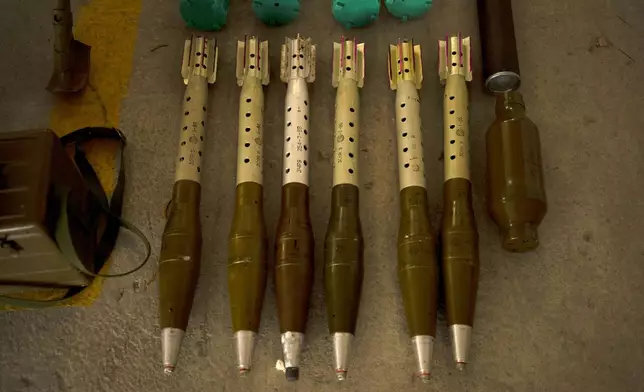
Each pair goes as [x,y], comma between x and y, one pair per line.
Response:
[506,111]
[510,105]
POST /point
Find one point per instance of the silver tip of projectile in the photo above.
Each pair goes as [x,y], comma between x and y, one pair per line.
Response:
[291,347]
[292,373]
[460,366]
[461,335]
[341,348]
[244,345]
[171,339]
[423,349]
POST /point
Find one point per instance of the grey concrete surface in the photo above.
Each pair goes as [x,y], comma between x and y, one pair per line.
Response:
[567,317]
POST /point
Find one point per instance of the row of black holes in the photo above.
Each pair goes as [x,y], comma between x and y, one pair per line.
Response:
[187,112]
[288,124]
[406,69]
[252,55]
[454,54]
[452,126]
[348,68]
[197,65]
[352,110]
[351,124]
[295,56]
[248,100]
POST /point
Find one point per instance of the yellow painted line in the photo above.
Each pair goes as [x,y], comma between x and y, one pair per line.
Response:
[110,27]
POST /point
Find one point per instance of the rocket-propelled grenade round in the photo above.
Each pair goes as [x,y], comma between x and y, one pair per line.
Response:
[516,196]
[247,246]
[180,255]
[417,260]
[459,236]
[294,236]
[344,244]
[498,46]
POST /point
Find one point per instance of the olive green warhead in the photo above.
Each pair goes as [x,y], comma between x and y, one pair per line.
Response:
[180,255]
[294,237]
[516,194]
[417,262]
[459,236]
[344,245]
[247,261]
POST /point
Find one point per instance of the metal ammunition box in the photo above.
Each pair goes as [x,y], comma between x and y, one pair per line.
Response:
[34,172]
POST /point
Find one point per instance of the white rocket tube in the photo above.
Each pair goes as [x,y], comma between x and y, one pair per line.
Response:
[454,70]
[199,68]
[405,76]
[252,72]
[297,69]
[348,76]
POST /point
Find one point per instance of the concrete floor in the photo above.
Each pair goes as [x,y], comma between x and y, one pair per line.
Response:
[567,317]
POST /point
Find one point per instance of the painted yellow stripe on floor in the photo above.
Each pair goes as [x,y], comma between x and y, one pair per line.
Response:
[110,27]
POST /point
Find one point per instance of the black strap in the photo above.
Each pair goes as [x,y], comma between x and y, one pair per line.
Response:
[113,207]
[78,139]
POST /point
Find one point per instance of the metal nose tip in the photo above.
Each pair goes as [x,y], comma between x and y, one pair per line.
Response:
[423,347]
[244,344]
[341,374]
[341,349]
[170,345]
[461,336]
